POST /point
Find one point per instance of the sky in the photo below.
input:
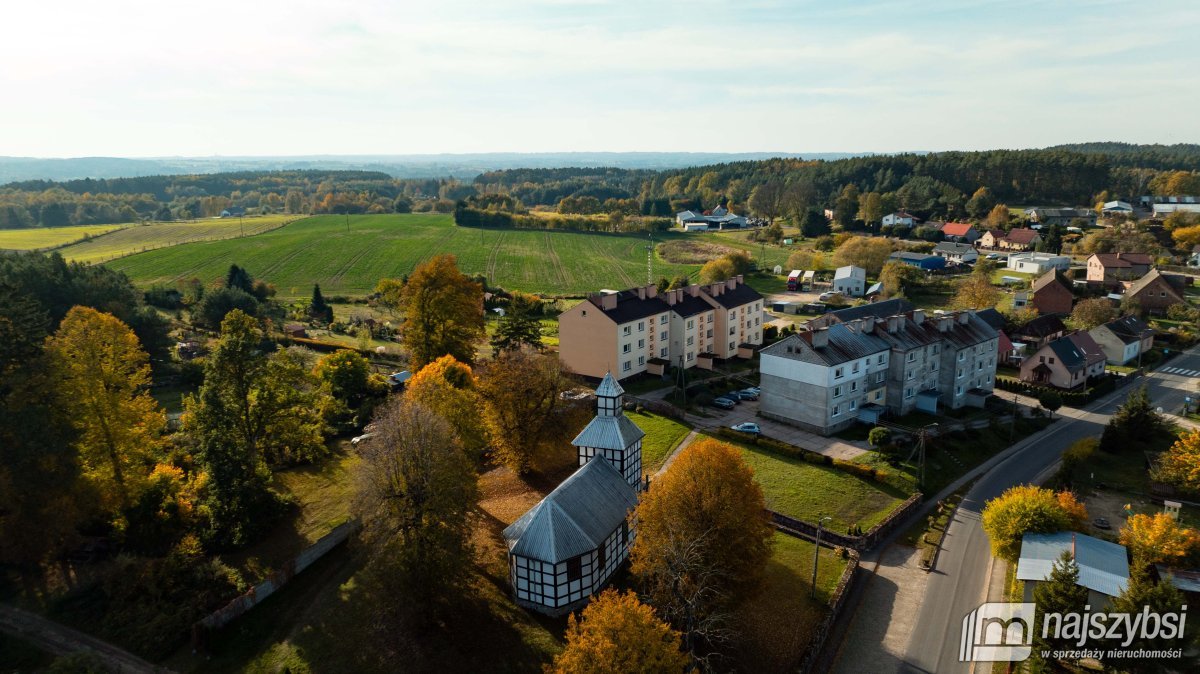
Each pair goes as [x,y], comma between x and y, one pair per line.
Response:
[299,77]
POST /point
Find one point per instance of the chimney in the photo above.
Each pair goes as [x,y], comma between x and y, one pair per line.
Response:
[641,292]
[820,338]
[964,317]
[893,324]
[693,290]
[651,290]
[608,301]
[944,323]
[739,280]
[733,282]
[918,316]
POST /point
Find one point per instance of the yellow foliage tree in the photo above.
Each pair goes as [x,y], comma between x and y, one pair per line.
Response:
[976,292]
[102,377]
[618,633]
[1180,465]
[1159,539]
[717,270]
[703,538]
[443,312]
[1186,237]
[870,253]
[1028,509]
[447,388]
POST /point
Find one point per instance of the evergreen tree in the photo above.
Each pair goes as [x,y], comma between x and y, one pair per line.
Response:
[1059,593]
[318,309]
[520,325]
[1134,424]
[1143,595]
[240,279]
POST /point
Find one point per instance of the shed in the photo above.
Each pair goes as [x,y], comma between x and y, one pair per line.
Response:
[1103,566]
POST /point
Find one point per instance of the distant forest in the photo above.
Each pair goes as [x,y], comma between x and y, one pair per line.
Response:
[943,184]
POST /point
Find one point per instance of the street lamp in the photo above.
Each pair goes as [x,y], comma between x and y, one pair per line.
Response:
[812,590]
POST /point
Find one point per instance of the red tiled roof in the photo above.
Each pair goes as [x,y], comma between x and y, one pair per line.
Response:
[956,228]
[1023,235]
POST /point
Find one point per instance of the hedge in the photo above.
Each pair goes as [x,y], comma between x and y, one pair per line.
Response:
[1108,384]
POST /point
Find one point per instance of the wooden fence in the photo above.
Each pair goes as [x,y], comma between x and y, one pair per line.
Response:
[257,594]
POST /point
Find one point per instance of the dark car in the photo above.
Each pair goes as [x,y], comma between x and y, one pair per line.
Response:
[723,403]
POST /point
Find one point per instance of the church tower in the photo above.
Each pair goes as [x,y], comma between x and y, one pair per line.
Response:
[611,434]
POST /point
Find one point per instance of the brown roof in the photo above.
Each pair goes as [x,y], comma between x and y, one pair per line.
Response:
[1122,260]
[1050,277]
[956,228]
[1085,342]
[1150,277]
[1023,235]
[996,233]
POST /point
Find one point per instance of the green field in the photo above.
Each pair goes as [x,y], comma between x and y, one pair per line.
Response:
[663,435]
[50,237]
[350,260]
[137,238]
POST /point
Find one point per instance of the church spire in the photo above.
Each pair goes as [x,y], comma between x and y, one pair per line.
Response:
[608,397]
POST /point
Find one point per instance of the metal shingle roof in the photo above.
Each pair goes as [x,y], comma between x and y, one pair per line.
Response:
[1103,566]
[609,433]
[576,517]
[609,387]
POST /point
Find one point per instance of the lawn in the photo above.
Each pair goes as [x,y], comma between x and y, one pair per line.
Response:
[50,237]
[778,624]
[807,491]
[663,435]
[351,261]
[136,238]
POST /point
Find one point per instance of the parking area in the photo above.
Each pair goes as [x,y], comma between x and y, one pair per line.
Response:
[747,410]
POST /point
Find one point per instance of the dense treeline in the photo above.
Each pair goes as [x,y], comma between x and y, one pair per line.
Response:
[468,216]
[1181,156]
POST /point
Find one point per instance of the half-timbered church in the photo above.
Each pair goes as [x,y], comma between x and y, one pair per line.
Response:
[568,546]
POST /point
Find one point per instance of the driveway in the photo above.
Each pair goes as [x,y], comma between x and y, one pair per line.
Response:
[747,410]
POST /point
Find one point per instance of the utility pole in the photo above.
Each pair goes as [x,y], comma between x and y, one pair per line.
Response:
[1012,421]
[922,438]
[812,589]
[347,222]
[650,259]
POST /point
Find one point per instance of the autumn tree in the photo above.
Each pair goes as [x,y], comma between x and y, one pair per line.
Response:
[703,541]
[527,420]
[102,378]
[520,326]
[898,277]
[354,388]
[414,492]
[767,200]
[447,388]
[1159,539]
[1091,313]
[998,217]
[1187,237]
[1180,465]
[845,207]
[870,253]
[806,259]
[981,203]
[976,292]
[618,633]
[1135,423]
[1028,509]
[389,294]
[870,208]
[443,312]
[716,270]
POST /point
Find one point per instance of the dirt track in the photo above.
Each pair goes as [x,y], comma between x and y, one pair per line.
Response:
[61,640]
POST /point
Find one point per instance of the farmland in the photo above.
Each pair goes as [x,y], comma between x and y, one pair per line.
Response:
[137,238]
[348,256]
[50,237]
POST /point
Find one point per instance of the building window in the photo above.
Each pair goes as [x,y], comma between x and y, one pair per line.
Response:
[628,330]
[663,335]
[958,390]
[641,343]
[690,356]
[733,315]
[641,326]
[878,395]
[837,410]
[731,347]
[936,348]
[961,356]
[663,353]
[908,393]
[626,347]
[911,374]
[691,324]
[600,556]
[854,368]
[641,360]
[1051,360]
[574,568]
[627,366]
[837,374]
[837,392]
[710,318]
[912,356]
[853,405]
[584,313]
[879,377]
[960,373]
[732,331]
[691,340]
[853,386]
[709,335]
[879,360]
[662,320]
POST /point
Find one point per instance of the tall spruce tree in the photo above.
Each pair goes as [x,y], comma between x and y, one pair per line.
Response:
[318,309]
[520,325]
[1143,594]
[1060,593]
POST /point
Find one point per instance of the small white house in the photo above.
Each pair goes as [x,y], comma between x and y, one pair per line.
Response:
[961,253]
[1037,263]
[850,281]
[900,219]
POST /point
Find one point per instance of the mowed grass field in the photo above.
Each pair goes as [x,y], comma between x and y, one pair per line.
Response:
[136,238]
[351,260]
[50,237]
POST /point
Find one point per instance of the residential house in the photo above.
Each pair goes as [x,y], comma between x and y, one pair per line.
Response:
[1093,353]
[1020,239]
[899,219]
[876,310]
[962,232]
[1006,352]
[820,379]
[918,260]
[1060,363]
[1037,263]
[850,281]
[1155,293]
[1039,331]
[233,212]
[1112,268]
[568,546]
[956,253]
[1051,294]
[991,238]
[638,330]
[1123,339]
[1103,566]
[1060,216]
[1194,259]
[1116,208]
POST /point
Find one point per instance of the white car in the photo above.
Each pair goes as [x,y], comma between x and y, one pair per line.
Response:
[360,439]
[748,427]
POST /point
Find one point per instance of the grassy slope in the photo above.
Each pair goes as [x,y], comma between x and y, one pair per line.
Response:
[49,237]
[321,250]
[137,238]
[662,436]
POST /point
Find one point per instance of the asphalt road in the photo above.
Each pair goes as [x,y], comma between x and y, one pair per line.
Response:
[959,583]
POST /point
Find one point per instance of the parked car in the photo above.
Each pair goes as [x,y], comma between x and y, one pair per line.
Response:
[825,297]
[748,394]
[354,442]
[723,402]
[748,427]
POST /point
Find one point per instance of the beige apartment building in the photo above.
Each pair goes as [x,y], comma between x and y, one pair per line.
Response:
[640,330]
